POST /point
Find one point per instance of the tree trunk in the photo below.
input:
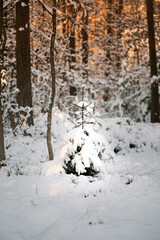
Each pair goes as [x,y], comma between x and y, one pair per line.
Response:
[64,18]
[2,35]
[2,148]
[109,42]
[153,63]
[1,17]
[72,46]
[23,56]
[119,34]
[109,18]
[53,75]
[85,46]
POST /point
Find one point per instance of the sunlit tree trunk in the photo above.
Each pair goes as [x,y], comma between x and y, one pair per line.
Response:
[153,63]
[109,33]
[85,47]
[23,56]
[2,149]
[53,75]
[109,23]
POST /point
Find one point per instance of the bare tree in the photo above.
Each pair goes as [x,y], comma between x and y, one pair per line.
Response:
[23,56]
[153,63]
[53,75]
[2,149]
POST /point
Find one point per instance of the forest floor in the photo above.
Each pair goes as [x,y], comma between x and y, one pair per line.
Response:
[39,201]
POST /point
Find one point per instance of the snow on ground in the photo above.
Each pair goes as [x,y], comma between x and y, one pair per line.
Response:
[39,201]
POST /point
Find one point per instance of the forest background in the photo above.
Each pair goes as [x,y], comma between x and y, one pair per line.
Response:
[100,54]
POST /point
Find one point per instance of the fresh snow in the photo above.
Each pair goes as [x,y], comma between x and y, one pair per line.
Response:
[21,29]
[39,201]
[23,4]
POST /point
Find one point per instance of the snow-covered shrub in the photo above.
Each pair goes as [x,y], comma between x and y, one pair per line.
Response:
[83,152]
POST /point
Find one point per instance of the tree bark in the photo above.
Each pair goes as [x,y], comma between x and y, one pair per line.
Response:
[109,18]
[2,148]
[1,17]
[85,47]
[72,46]
[64,18]
[119,34]
[2,35]
[110,33]
[153,63]
[23,56]
[53,75]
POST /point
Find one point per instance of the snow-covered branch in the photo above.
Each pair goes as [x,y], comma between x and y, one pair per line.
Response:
[45,7]
[6,4]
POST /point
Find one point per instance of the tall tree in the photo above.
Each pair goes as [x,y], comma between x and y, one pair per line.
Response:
[153,63]
[23,56]
[2,149]
[53,75]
